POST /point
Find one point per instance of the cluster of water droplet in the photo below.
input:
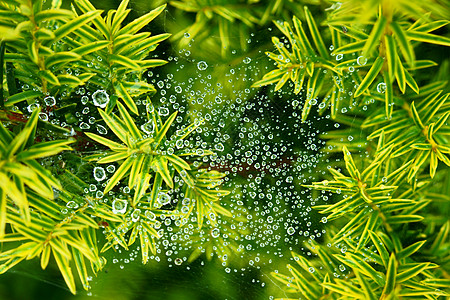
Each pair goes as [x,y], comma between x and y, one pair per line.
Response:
[264,148]
[259,142]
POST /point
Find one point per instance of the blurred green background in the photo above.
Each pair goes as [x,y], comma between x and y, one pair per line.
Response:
[135,281]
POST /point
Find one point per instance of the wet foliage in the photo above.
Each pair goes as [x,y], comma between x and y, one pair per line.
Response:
[244,135]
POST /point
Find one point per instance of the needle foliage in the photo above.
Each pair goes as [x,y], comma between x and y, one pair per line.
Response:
[53,53]
[72,190]
[374,248]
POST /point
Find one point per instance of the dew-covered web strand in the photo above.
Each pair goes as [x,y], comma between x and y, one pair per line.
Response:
[260,116]
[279,108]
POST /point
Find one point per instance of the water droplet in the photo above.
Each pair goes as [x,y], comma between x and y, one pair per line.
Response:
[101,129]
[219,147]
[99,173]
[148,127]
[150,215]
[119,206]
[84,126]
[136,215]
[343,249]
[247,60]
[163,198]
[50,101]
[324,220]
[32,107]
[311,270]
[111,168]
[100,98]
[150,108]
[178,261]
[291,230]
[163,111]
[72,205]
[361,60]
[92,187]
[215,233]
[43,117]
[339,56]
[84,100]
[187,35]
[202,66]
[381,87]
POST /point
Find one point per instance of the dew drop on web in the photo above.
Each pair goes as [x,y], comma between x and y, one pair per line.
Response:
[72,205]
[101,129]
[32,107]
[163,198]
[50,101]
[215,233]
[111,168]
[135,215]
[100,98]
[361,60]
[150,215]
[119,206]
[163,111]
[148,127]
[381,87]
[84,100]
[202,66]
[99,173]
